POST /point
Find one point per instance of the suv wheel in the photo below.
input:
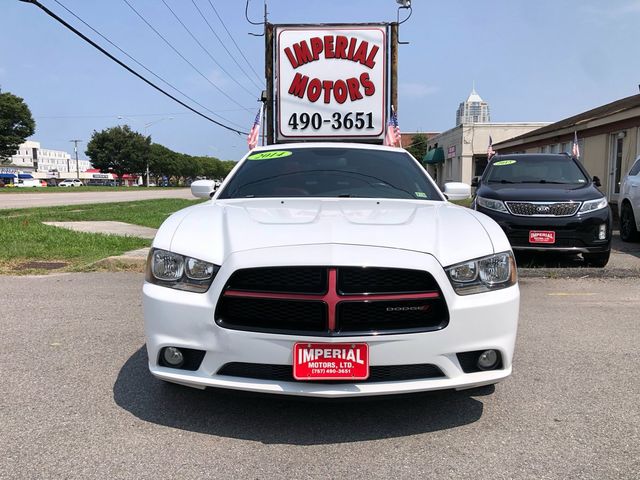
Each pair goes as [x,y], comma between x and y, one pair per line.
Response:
[628,231]
[596,259]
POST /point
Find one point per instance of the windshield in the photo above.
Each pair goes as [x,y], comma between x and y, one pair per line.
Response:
[536,169]
[330,172]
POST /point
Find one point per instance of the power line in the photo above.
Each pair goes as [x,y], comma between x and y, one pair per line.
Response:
[222,43]
[148,70]
[180,55]
[126,67]
[208,52]
[234,42]
[129,115]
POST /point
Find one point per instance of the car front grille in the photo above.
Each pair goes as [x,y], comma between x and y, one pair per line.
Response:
[284,373]
[543,209]
[332,301]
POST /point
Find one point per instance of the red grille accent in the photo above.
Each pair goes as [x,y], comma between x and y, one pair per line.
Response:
[332,298]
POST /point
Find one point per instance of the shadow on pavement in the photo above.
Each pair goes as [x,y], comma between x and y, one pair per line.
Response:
[288,420]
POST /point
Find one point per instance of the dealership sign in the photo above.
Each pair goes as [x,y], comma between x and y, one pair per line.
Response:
[331,82]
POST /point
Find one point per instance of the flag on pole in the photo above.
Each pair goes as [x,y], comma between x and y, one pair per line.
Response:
[252,138]
[575,149]
[490,151]
[393,138]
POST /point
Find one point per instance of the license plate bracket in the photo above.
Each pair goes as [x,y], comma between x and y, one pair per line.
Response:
[331,361]
[542,236]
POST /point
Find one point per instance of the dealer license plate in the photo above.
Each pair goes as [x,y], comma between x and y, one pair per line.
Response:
[542,236]
[330,361]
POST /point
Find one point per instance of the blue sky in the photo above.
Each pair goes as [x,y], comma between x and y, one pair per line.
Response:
[532,61]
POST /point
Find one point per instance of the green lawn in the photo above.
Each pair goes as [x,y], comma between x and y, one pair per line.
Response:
[25,239]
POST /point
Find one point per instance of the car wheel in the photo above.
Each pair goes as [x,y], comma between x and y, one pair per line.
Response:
[596,259]
[628,230]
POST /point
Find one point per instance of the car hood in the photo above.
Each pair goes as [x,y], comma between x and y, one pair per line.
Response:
[539,192]
[214,230]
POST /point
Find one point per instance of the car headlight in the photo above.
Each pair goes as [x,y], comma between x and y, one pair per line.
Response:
[483,274]
[173,270]
[491,204]
[593,205]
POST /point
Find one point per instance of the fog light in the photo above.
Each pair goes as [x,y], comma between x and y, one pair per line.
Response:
[487,360]
[602,232]
[173,357]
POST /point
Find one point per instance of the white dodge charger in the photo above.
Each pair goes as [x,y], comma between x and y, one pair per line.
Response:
[330,270]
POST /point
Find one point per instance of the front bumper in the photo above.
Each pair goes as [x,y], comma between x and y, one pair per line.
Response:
[575,234]
[184,319]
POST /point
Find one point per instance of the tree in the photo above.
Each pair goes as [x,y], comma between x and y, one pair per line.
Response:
[119,150]
[16,124]
[418,146]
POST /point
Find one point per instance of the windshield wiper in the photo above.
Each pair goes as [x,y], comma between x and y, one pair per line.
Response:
[546,181]
[501,181]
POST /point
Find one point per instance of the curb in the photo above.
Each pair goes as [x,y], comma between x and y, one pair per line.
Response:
[134,258]
[579,272]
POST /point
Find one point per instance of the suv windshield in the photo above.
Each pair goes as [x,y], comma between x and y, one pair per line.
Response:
[330,172]
[536,169]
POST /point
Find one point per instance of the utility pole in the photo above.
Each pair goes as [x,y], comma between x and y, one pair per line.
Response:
[75,149]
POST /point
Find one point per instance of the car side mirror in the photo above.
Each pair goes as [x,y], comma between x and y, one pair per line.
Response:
[457,190]
[203,188]
[596,181]
[475,182]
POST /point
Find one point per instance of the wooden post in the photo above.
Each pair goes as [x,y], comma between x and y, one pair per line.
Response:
[268,71]
[394,66]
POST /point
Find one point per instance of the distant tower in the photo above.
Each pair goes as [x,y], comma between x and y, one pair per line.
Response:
[474,110]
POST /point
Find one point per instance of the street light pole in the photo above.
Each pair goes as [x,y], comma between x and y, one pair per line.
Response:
[146,127]
[75,149]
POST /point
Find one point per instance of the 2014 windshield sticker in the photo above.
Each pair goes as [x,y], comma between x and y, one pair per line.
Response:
[269,155]
[421,194]
[504,162]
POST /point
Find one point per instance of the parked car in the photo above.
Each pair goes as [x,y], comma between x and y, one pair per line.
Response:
[98,182]
[330,270]
[546,202]
[71,182]
[629,204]
[28,183]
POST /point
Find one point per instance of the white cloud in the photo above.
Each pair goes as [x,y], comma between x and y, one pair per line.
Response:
[413,89]
[613,10]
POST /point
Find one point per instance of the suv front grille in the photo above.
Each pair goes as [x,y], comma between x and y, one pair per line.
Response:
[543,209]
[332,301]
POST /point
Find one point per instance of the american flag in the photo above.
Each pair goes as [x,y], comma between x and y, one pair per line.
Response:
[575,149]
[252,138]
[490,151]
[393,138]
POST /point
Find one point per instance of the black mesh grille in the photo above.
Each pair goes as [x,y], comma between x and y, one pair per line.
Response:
[353,280]
[559,209]
[269,315]
[308,316]
[397,315]
[284,373]
[280,279]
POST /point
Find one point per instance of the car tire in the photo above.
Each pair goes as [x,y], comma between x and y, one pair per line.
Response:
[628,230]
[596,259]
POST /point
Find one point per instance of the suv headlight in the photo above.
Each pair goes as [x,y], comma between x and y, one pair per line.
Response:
[491,204]
[593,205]
[172,270]
[483,274]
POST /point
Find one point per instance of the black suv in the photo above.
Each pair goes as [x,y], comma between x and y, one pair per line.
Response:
[546,202]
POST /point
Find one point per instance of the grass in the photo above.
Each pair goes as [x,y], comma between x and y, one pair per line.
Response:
[25,239]
[76,189]
[465,203]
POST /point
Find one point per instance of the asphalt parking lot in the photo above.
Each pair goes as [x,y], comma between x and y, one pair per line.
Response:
[76,399]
